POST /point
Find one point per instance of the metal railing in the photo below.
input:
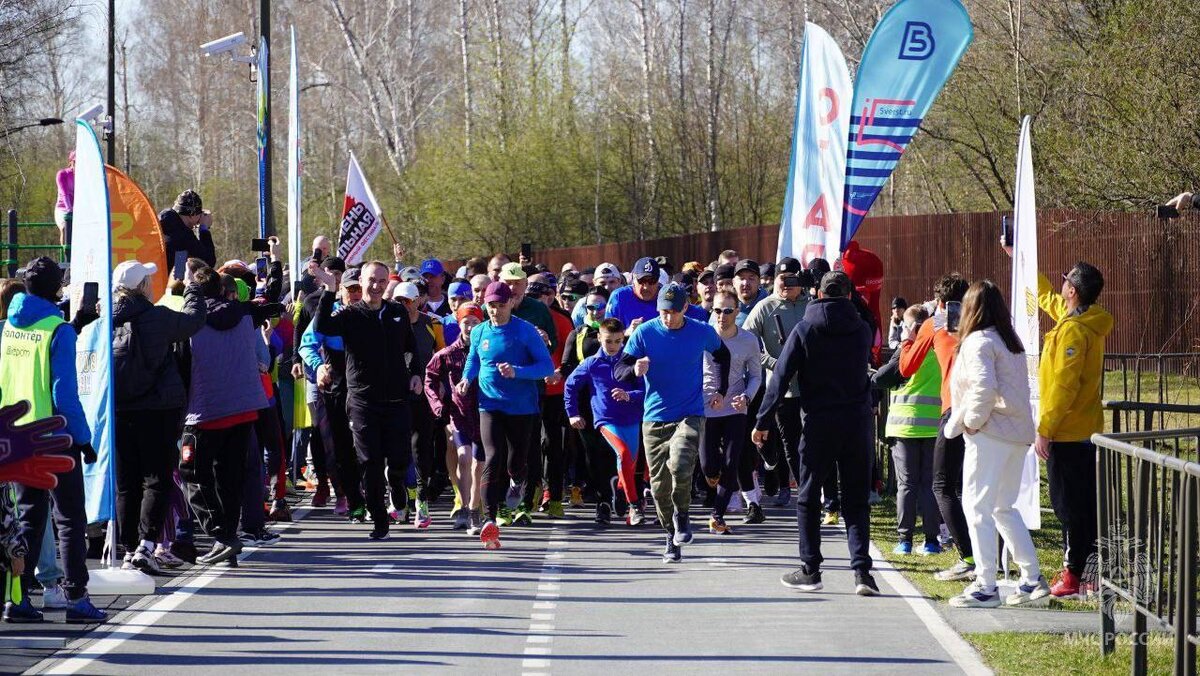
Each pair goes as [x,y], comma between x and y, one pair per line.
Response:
[1164,378]
[11,262]
[1148,485]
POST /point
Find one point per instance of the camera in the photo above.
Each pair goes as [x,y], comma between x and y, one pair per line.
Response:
[222,45]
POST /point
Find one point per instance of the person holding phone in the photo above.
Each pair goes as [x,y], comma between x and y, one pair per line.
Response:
[936,334]
[179,228]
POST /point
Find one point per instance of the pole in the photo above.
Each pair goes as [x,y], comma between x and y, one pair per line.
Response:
[264,27]
[111,156]
[12,243]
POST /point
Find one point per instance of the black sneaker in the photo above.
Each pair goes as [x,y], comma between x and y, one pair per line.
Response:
[803,579]
[754,514]
[220,554]
[378,533]
[603,513]
[184,550]
[673,553]
[864,584]
[683,529]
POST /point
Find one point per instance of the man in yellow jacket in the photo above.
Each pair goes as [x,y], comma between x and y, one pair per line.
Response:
[1072,365]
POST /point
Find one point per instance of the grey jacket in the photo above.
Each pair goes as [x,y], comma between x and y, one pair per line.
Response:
[745,373]
[761,322]
[225,374]
[157,329]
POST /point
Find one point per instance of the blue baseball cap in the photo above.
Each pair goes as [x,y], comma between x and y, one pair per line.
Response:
[673,296]
[432,266]
[645,267]
[460,290]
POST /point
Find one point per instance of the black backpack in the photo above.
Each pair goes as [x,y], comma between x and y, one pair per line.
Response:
[134,376]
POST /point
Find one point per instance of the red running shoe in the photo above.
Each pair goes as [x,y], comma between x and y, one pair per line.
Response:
[1065,586]
[490,535]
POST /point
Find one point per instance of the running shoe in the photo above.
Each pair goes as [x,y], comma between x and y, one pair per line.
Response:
[1066,585]
[489,535]
[342,506]
[903,548]
[830,519]
[358,515]
[544,505]
[683,529]
[127,562]
[281,512]
[504,516]
[673,553]
[603,513]
[554,510]
[220,552]
[960,571]
[975,596]
[321,497]
[784,498]
[184,550]
[54,598]
[754,514]
[166,559]
[143,559]
[81,611]
[521,516]
[21,613]
[930,549]
[944,538]
[576,496]
[378,533]
[803,579]
[474,523]
[423,518]
[864,584]
[636,516]
[717,526]
[1029,594]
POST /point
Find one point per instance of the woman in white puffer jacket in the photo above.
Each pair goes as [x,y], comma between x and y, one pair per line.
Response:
[989,391]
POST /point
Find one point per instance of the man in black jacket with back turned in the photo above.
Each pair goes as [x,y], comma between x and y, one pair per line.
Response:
[829,351]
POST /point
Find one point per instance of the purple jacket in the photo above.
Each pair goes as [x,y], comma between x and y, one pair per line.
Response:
[594,378]
[445,369]
[225,378]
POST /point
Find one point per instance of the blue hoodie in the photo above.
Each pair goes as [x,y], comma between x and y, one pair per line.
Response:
[27,310]
[596,373]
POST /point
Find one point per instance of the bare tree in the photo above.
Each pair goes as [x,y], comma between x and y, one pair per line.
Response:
[464,39]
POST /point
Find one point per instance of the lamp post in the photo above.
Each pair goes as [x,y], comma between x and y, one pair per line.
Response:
[44,122]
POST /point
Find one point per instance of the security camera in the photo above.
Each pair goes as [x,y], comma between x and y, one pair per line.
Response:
[223,45]
[92,113]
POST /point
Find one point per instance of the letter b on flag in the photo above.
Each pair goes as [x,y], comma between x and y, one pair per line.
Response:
[918,43]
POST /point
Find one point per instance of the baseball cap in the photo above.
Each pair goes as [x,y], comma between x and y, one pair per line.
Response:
[130,274]
[497,292]
[460,290]
[788,266]
[333,263]
[410,274]
[606,270]
[352,277]
[511,272]
[724,272]
[673,296]
[705,274]
[818,267]
[406,290]
[537,289]
[898,303]
[188,203]
[836,284]
[746,265]
[468,310]
[766,270]
[645,267]
[576,286]
[432,266]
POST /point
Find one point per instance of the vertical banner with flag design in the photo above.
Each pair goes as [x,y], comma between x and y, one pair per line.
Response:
[295,169]
[361,218]
[264,90]
[811,226]
[91,261]
[1025,309]
[908,59]
[136,235]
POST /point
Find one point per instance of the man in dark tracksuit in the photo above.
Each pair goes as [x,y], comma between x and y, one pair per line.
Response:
[829,351]
[379,345]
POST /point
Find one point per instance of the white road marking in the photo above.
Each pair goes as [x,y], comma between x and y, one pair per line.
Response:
[108,637]
[383,568]
[541,627]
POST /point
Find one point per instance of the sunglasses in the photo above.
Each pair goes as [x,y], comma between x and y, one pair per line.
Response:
[724,310]
[594,308]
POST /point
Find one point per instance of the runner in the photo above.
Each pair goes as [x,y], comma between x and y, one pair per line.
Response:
[507,357]
[669,352]
[616,412]
[593,460]
[725,426]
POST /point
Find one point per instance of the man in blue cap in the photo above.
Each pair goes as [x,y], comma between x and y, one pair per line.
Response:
[459,292]
[669,352]
[636,303]
[435,279]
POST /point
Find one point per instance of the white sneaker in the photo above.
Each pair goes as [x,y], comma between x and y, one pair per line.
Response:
[143,559]
[166,559]
[475,524]
[127,563]
[1029,593]
[54,598]
[975,596]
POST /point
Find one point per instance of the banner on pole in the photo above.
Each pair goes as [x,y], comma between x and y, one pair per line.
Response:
[811,226]
[1025,309]
[91,261]
[136,235]
[264,90]
[295,170]
[907,60]
[361,217]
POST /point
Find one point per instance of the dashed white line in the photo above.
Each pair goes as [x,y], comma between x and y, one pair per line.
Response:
[541,621]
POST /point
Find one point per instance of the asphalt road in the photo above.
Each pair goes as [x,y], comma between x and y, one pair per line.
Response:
[561,597]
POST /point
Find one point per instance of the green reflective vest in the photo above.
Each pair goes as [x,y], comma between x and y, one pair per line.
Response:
[25,367]
[915,411]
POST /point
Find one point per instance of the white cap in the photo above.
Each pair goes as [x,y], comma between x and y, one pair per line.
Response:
[130,274]
[462,272]
[406,290]
[606,270]
[663,277]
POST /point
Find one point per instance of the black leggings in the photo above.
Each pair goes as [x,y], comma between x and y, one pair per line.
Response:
[506,440]
[146,457]
[948,485]
[721,455]
[546,454]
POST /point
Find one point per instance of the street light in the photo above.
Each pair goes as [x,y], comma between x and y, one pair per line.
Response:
[44,122]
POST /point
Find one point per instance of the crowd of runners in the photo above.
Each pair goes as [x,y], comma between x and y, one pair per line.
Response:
[651,393]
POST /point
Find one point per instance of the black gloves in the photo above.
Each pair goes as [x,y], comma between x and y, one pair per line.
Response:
[85,316]
[88,453]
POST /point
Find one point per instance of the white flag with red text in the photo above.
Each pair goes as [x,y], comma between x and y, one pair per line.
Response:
[361,217]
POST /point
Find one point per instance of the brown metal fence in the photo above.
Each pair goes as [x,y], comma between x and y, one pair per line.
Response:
[1151,266]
